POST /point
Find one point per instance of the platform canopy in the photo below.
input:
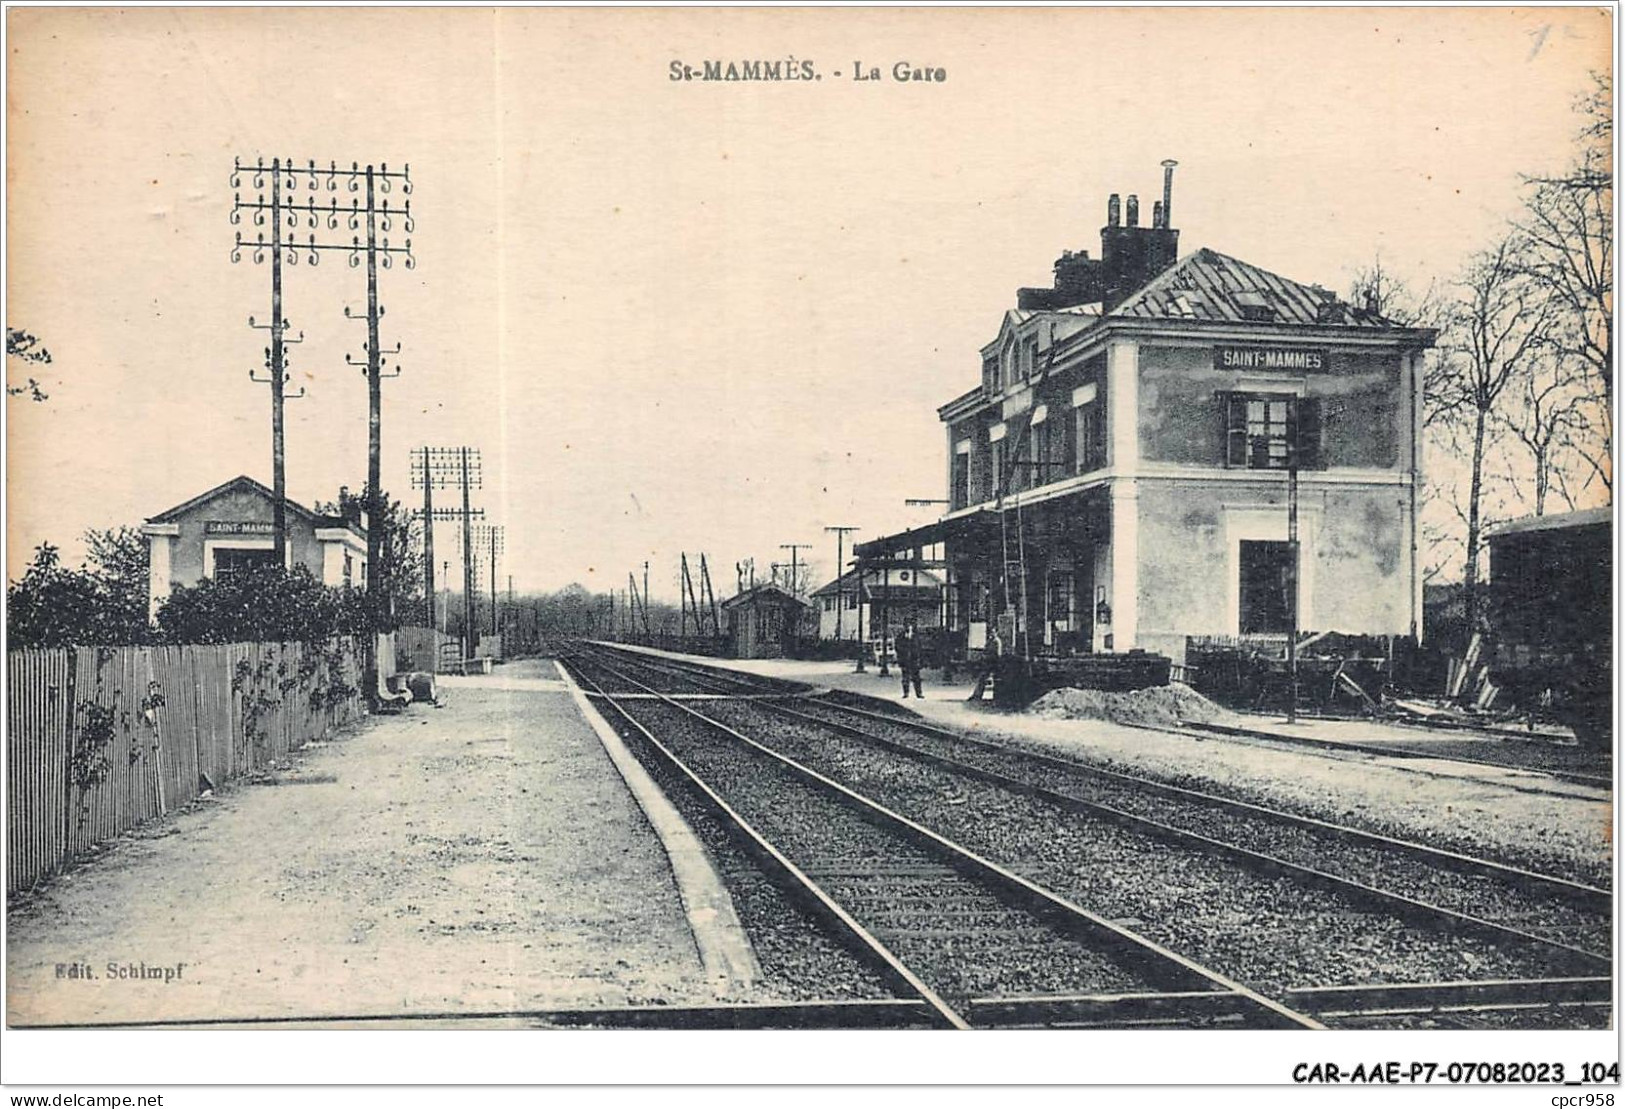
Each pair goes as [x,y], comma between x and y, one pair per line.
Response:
[926,535]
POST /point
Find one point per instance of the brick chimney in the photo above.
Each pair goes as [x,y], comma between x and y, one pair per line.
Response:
[1130,256]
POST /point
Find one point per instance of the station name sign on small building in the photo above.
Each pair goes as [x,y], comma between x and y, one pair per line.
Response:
[238,527]
[1295,359]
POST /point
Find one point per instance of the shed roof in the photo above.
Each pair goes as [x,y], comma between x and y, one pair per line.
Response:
[1589,517]
[764,592]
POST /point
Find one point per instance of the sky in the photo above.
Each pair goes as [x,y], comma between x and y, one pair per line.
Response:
[679,315]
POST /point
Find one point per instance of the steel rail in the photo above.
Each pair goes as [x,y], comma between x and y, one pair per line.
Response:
[1403,906]
[1580,894]
[1392,999]
[826,906]
[1149,955]
[1575,777]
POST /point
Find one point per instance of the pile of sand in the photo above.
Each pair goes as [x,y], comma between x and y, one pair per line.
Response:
[1166,705]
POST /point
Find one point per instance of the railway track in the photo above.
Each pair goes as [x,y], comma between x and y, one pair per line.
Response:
[1480,902]
[1118,786]
[977,944]
[1440,749]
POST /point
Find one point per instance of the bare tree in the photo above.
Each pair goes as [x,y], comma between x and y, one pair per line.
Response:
[1378,289]
[1492,330]
[1569,226]
[1544,414]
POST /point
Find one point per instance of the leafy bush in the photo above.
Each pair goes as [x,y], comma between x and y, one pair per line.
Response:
[53,606]
[261,604]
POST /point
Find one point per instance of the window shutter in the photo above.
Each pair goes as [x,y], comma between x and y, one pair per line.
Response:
[1233,410]
[1308,427]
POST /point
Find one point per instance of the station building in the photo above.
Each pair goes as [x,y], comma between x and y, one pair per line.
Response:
[1119,476]
[231,527]
[883,602]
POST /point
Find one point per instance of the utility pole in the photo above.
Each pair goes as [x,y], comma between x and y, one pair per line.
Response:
[470,640]
[1292,554]
[709,596]
[689,600]
[428,537]
[442,468]
[380,178]
[840,572]
[490,540]
[795,588]
[276,362]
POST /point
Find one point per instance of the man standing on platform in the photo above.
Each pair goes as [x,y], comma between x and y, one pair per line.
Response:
[908,659]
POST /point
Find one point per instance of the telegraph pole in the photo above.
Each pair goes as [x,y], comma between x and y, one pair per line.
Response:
[795,589]
[840,572]
[428,534]
[286,177]
[441,468]
[470,642]
[491,537]
[276,362]
[1292,554]
[709,596]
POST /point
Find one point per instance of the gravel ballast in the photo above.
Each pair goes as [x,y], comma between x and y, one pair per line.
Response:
[1469,893]
[1273,933]
[958,937]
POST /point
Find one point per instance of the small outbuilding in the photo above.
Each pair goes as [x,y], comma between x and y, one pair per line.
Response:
[230,527]
[765,622]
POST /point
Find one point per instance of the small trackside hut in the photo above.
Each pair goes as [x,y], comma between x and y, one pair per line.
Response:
[766,622]
[1149,437]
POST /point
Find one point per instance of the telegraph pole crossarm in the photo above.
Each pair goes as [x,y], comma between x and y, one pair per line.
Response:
[795,585]
[440,468]
[840,571]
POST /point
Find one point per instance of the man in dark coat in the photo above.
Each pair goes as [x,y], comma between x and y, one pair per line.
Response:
[908,658]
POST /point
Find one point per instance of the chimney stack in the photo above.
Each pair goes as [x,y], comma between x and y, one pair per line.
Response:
[1168,192]
[1133,210]
[1113,206]
[1156,214]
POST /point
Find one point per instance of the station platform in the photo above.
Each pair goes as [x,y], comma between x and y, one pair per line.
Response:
[485,856]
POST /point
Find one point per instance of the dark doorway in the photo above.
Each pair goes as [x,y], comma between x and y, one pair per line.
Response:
[1266,576]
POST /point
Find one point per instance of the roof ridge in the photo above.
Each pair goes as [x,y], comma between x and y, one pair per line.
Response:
[1221,284]
[240,479]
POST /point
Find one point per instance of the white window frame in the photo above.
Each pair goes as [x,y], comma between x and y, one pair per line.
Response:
[241,543]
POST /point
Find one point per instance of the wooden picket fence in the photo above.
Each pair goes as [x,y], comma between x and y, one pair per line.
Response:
[101,739]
